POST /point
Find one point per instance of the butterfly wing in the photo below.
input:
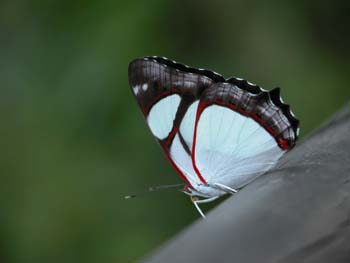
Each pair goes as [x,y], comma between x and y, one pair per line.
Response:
[212,129]
[168,94]
[240,132]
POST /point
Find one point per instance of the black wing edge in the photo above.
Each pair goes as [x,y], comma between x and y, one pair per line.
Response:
[277,100]
[274,94]
[275,97]
[216,77]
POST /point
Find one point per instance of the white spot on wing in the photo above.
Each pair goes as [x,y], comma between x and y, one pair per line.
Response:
[136,89]
[144,86]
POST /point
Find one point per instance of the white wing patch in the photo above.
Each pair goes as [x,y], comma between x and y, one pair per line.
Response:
[183,161]
[161,116]
[187,124]
[232,149]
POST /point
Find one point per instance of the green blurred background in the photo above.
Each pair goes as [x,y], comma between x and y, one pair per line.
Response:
[73,141]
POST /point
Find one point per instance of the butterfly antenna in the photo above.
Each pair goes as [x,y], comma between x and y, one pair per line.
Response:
[155,189]
[225,188]
[164,187]
[129,196]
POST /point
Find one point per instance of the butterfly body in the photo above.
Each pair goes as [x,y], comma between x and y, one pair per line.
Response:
[219,134]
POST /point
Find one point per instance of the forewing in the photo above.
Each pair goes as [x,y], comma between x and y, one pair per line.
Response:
[168,95]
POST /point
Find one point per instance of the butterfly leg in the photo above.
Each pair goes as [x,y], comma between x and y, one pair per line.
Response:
[225,188]
[196,201]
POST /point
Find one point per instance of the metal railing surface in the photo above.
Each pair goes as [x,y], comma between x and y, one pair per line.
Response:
[299,212]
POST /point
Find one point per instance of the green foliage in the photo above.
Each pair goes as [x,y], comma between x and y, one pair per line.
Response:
[72,138]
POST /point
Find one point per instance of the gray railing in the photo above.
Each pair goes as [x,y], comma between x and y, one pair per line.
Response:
[297,213]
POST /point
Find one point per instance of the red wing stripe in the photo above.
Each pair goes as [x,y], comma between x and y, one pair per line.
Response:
[182,175]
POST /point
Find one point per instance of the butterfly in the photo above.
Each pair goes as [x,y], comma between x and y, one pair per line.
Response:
[218,134]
